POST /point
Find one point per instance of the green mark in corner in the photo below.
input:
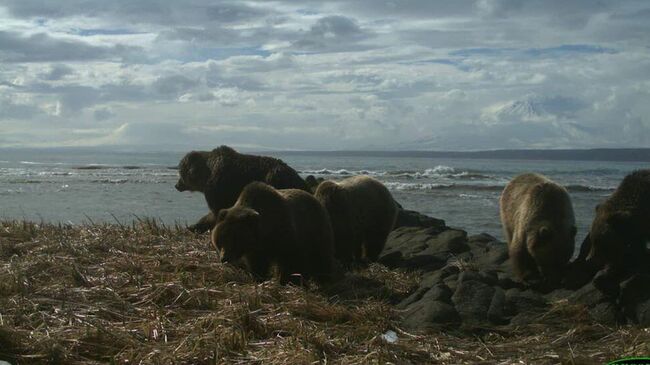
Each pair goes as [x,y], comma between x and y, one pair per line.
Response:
[631,361]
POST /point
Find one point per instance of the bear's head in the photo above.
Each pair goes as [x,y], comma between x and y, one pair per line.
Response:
[236,232]
[551,246]
[194,172]
[332,197]
[610,232]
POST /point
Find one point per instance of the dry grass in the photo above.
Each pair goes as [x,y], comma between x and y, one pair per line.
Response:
[146,293]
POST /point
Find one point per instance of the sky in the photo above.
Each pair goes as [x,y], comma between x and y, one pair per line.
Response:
[325,75]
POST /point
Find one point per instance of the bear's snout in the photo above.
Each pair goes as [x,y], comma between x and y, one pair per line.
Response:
[180,186]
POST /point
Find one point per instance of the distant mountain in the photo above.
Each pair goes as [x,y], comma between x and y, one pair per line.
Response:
[599,154]
[528,109]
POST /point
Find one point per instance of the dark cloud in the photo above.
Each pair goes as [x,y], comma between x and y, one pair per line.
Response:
[103,114]
[15,47]
[332,33]
[57,72]
[137,12]
[173,84]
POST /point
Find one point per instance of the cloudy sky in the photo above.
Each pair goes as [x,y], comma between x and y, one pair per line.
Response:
[372,74]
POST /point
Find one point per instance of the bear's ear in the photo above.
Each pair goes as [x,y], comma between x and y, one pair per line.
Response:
[544,232]
[574,231]
[195,157]
[223,149]
[249,214]
[598,206]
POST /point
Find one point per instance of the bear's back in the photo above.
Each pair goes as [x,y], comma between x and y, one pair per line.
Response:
[632,194]
[312,231]
[531,196]
[263,198]
[366,191]
[309,217]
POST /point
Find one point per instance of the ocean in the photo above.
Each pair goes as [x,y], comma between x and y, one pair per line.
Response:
[70,186]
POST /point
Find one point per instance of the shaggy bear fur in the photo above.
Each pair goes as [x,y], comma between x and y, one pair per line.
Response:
[288,228]
[539,225]
[362,212]
[621,228]
[222,173]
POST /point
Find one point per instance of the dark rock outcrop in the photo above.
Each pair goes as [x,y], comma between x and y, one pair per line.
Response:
[468,281]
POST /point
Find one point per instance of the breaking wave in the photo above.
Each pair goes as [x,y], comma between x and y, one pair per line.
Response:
[440,171]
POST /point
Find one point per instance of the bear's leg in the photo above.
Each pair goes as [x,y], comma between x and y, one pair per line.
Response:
[259,266]
[523,264]
[292,273]
[346,250]
[374,243]
[206,223]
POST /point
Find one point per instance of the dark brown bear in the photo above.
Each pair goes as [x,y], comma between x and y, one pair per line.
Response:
[539,225]
[362,212]
[288,228]
[222,173]
[621,228]
[313,182]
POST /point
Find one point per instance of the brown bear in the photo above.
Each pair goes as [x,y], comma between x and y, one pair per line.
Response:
[539,225]
[362,212]
[222,173]
[313,182]
[288,228]
[621,228]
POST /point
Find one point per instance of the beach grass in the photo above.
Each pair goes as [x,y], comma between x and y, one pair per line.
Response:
[152,294]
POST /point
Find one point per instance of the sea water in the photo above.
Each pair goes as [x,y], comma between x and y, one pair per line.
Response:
[99,186]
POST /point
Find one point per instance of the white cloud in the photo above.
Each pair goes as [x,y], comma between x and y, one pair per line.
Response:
[465,74]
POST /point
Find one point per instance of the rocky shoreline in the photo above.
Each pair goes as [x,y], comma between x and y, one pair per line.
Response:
[468,281]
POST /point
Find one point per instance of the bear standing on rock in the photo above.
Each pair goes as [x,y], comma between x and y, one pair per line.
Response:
[222,173]
[362,212]
[287,227]
[539,225]
[621,228]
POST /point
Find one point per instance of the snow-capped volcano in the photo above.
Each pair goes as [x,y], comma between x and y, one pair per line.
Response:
[529,109]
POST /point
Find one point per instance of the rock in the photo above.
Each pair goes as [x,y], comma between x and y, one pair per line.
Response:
[422,262]
[505,281]
[416,296]
[605,313]
[451,281]
[525,301]
[423,249]
[498,310]
[435,277]
[440,293]
[633,293]
[589,295]
[410,218]
[450,241]
[472,300]
[493,255]
[489,278]
[426,314]
[483,238]
[642,314]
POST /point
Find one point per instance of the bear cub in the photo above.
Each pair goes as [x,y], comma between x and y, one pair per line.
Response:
[287,228]
[222,173]
[539,225]
[362,212]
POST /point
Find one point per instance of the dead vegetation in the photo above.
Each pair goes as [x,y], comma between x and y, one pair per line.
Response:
[147,293]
